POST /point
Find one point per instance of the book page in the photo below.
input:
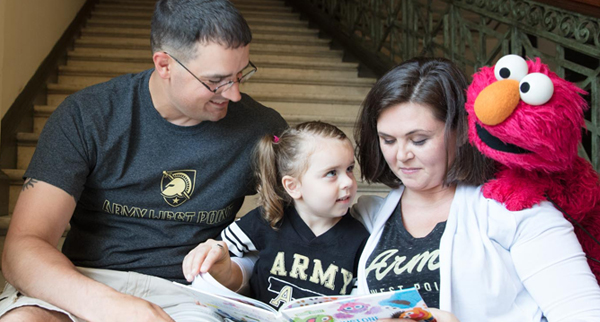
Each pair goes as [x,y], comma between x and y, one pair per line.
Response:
[314,300]
[395,304]
[207,283]
[245,309]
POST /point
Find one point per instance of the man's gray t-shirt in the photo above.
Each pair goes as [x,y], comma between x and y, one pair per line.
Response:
[147,191]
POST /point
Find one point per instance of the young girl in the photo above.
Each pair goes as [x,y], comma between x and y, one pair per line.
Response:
[306,242]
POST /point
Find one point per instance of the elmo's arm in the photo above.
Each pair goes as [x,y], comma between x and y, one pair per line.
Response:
[515,189]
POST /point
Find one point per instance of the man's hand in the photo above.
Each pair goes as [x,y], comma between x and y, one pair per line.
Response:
[211,256]
[126,308]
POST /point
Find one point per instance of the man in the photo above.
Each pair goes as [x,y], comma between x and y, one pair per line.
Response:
[144,167]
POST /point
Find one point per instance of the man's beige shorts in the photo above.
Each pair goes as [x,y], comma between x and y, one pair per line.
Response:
[177,303]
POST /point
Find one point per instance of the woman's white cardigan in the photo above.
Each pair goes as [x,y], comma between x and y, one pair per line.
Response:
[498,265]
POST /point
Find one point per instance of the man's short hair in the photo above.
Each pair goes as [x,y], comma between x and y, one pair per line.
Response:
[179,25]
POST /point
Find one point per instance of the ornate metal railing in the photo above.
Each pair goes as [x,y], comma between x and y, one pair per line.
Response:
[475,33]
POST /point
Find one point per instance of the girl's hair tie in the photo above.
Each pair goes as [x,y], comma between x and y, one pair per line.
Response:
[275,139]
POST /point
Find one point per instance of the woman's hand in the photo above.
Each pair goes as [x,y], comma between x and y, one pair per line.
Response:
[211,256]
[439,315]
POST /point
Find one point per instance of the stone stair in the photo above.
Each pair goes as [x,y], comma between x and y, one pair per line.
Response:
[298,74]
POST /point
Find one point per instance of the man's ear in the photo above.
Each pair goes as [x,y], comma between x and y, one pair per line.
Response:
[292,186]
[161,64]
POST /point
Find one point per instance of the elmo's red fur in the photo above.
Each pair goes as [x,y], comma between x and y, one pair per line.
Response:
[536,148]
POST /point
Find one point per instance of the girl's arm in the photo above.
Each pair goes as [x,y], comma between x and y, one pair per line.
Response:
[214,256]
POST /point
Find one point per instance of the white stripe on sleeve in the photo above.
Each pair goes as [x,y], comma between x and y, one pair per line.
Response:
[237,241]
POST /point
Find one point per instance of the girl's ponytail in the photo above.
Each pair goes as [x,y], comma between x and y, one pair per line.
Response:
[271,195]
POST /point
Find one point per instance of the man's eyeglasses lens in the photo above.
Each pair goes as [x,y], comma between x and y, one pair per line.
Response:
[243,76]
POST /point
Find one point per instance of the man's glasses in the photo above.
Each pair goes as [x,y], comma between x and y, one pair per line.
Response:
[246,73]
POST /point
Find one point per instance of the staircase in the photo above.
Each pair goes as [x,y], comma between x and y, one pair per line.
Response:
[298,75]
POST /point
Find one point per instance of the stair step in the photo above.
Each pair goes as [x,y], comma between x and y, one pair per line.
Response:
[257,54]
[145,23]
[127,34]
[149,7]
[145,13]
[41,113]
[314,98]
[249,16]
[260,39]
[4,222]
[266,65]
[262,61]
[151,3]
[26,147]
[337,120]
[320,45]
[325,109]
[16,184]
[301,28]
[258,2]
[259,29]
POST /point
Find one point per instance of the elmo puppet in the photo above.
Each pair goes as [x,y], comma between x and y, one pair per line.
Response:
[529,120]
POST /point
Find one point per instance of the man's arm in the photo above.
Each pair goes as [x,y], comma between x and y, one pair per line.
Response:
[32,263]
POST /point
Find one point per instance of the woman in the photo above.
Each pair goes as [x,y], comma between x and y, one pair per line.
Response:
[435,231]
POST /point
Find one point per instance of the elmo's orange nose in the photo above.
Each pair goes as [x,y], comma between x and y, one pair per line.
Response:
[496,102]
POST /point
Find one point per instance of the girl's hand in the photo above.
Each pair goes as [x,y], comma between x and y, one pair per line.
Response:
[439,315]
[211,256]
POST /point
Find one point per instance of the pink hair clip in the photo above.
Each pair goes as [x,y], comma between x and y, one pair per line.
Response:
[275,139]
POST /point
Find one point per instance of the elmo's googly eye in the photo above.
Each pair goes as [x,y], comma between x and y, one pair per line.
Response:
[511,67]
[536,89]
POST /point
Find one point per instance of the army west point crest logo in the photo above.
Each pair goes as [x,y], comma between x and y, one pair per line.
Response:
[177,186]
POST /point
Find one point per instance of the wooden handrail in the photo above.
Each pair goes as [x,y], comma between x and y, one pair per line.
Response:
[585,7]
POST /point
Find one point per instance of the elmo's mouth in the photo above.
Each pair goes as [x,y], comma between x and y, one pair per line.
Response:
[496,144]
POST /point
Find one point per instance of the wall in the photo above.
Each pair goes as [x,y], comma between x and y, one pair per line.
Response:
[2,22]
[29,29]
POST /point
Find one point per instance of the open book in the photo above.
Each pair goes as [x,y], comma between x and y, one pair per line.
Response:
[405,303]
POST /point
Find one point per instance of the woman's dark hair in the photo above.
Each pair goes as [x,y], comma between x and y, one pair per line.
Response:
[433,82]
[179,25]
